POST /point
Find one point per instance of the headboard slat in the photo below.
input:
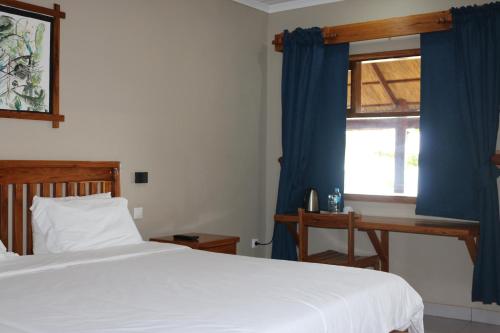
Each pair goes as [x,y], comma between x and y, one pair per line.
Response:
[32,191]
[116,188]
[70,189]
[93,188]
[53,176]
[82,189]
[58,190]
[4,214]
[106,187]
[17,219]
[45,192]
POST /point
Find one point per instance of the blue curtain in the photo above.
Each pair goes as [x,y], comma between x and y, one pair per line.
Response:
[476,34]
[459,116]
[444,151]
[314,94]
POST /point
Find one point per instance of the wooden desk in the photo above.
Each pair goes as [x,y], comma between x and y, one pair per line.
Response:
[465,231]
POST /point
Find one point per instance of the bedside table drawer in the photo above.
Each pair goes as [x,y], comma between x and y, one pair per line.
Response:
[229,249]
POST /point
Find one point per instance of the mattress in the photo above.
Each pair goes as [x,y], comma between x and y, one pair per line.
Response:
[153,287]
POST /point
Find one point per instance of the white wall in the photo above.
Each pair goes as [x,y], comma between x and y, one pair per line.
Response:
[176,88]
[438,268]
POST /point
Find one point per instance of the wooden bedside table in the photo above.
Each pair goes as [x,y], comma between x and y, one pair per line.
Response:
[206,242]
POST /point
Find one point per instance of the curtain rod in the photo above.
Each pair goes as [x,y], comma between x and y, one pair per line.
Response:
[386,28]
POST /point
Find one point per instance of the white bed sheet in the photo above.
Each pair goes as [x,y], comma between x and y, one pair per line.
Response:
[154,287]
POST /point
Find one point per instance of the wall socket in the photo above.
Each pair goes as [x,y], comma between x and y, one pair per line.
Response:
[138,213]
[254,242]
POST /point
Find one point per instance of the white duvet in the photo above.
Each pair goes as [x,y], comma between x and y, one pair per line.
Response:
[154,287]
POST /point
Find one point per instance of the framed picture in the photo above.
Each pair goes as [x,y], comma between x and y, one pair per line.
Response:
[29,61]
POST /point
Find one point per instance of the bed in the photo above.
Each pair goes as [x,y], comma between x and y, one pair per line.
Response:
[153,287]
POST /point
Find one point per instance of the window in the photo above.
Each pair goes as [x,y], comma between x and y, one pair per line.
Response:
[382,139]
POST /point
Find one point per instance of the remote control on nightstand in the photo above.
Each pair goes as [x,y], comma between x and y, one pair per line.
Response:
[186,237]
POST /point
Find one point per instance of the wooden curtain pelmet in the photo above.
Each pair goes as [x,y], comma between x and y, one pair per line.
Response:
[392,27]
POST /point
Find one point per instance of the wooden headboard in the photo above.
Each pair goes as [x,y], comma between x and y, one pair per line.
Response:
[20,181]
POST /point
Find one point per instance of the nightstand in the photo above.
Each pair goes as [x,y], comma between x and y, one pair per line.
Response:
[206,242]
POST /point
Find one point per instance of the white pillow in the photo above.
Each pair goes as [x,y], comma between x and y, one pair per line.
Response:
[39,236]
[4,254]
[78,225]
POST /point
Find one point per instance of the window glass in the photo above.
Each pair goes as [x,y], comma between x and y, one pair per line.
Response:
[383,137]
[412,149]
[388,85]
[377,147]
[382,156]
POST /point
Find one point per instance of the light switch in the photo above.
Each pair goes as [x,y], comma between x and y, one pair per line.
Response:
[138,213]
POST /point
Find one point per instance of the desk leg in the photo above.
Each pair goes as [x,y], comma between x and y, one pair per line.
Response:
[471,244]
[292,229]
[385,246]
[381,247]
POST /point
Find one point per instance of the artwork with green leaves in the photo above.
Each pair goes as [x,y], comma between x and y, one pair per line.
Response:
[25,61]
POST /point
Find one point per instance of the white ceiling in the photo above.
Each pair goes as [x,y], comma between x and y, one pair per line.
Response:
[274,6]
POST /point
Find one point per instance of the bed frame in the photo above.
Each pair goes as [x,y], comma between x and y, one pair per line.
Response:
[20,181]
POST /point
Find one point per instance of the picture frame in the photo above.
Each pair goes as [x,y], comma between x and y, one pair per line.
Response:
[29,61]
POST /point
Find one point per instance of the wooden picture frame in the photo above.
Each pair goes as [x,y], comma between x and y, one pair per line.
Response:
[37,103]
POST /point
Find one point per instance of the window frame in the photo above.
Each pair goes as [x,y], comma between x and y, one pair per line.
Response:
[356,85]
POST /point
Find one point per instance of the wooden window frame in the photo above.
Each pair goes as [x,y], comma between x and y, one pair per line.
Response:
[381,198]
[356,85]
